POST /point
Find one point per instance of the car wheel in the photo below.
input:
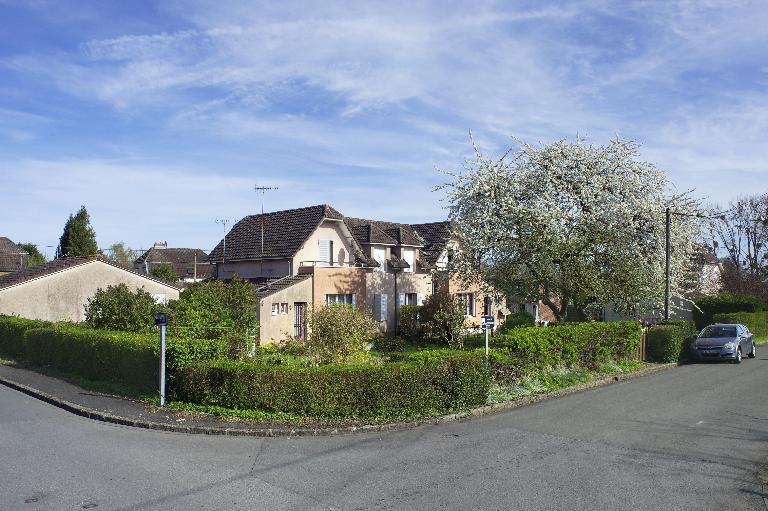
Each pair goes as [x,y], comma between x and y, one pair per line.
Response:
[753,353]
[737,360]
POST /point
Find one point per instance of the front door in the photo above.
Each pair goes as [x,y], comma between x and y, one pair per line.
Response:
[299,329]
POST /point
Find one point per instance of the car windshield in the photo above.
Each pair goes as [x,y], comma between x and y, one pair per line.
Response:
[719,331]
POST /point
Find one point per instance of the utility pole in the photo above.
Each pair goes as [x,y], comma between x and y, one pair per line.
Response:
[667,270]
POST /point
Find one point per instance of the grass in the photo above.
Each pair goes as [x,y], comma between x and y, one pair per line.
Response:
[557,378]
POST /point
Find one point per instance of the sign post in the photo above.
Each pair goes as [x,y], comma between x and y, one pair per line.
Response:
[161,320]
[488,324]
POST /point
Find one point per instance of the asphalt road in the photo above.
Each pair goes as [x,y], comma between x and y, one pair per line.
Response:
[689,438]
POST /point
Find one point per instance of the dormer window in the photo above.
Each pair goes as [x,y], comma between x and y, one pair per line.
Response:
[380,256]
[409,256]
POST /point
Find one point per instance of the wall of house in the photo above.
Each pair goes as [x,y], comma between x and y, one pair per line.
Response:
[327,280]
[329,230]
[62,296]
[499,309]
[279,327]
[384,283]
[271,268]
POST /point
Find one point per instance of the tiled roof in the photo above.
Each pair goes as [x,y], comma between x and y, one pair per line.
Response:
[12,256]
[388,233]
[284,233]
[274,286]
[398,264]
[58,265]
[182,260]
[436,236]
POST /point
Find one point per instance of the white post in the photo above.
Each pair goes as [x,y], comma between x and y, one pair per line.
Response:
[162,365]
[486,341]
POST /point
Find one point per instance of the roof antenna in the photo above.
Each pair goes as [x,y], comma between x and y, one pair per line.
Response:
[263,190]
[223,222]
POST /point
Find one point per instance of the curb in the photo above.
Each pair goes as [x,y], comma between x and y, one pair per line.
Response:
[330,430]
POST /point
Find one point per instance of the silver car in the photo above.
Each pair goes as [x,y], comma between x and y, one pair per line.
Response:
[725,342]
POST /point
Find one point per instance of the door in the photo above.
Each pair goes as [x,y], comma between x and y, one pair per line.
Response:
[299,328]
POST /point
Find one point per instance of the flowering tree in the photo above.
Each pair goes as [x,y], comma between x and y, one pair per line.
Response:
[570,224]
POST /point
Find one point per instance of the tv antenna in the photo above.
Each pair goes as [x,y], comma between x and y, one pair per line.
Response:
[223,222]
[263,190]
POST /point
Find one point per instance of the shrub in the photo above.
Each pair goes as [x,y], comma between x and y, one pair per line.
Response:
[521,318]
[409,322]
[449,382]
[670,341]
[165,271]
[12,331]
[523,351]
[118,308]
[757,322]
[442,320]
[339,333]
[721,304]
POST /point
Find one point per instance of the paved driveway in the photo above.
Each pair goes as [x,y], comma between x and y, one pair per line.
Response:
[689,438]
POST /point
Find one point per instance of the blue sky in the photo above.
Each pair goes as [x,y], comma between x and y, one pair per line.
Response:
[161,116]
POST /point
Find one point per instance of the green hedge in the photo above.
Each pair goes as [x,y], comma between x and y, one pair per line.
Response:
[527,350]
[757,322]
[437,385]
[12,331]
[722,304]
[130,359]
[670,341]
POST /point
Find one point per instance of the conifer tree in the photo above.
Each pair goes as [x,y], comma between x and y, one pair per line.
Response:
[78,238]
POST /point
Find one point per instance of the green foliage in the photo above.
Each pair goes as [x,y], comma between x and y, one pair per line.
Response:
[670,341]
[36,258]
[121,254]
[408,319]
[521,318]
[78,238]
[339,334]
[524,351]
[118,308]
[724,303]
[401,390]
[442,320]
[757,322]
[215,310]
[12,331]
[165,272]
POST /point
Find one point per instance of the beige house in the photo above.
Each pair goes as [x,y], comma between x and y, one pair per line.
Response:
[302,257]
[60,289]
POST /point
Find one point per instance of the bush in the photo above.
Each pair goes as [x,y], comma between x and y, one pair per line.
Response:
[670,341]
[165,272]
[118,308]
[339,334]
[757,322]
[12,331]
[409,322]
[524,351]
[521,318]
[442,320]
[449,382]
[722,304]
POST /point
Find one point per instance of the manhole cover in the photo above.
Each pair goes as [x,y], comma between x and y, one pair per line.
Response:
[30,500]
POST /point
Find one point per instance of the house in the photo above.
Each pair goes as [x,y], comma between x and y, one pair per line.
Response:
[315,255]
[60,289]
[12,256]
[190,264]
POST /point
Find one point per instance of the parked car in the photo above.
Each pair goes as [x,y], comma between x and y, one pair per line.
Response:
[725,342]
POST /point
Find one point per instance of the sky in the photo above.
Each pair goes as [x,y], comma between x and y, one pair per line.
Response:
[161,117]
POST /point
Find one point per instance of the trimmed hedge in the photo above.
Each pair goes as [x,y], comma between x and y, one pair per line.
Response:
[130,359]
[12,331]
[723,304]
[448,382]
[757,322]
[670,341]
[527,350]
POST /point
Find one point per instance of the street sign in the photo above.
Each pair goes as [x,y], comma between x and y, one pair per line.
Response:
[488,323]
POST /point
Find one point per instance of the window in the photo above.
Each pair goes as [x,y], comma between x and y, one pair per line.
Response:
[411,299]
[275,309]
[325,252]
[380,256]
[348,299]
[283,308]
[467,300]
[409,257]
[487,306]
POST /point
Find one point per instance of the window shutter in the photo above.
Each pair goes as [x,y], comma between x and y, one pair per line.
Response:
[330,252]
[400,300]
[354,301]
[324,251]
[383,313]
[419,299]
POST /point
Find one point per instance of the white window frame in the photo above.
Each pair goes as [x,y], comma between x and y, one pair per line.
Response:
[283,308]
[468,301]
[340,298]
[411,299]
[382,260]
[275,309]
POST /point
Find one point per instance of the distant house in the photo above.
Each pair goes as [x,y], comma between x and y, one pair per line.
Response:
[190,264]
[12,256]
[60,289]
